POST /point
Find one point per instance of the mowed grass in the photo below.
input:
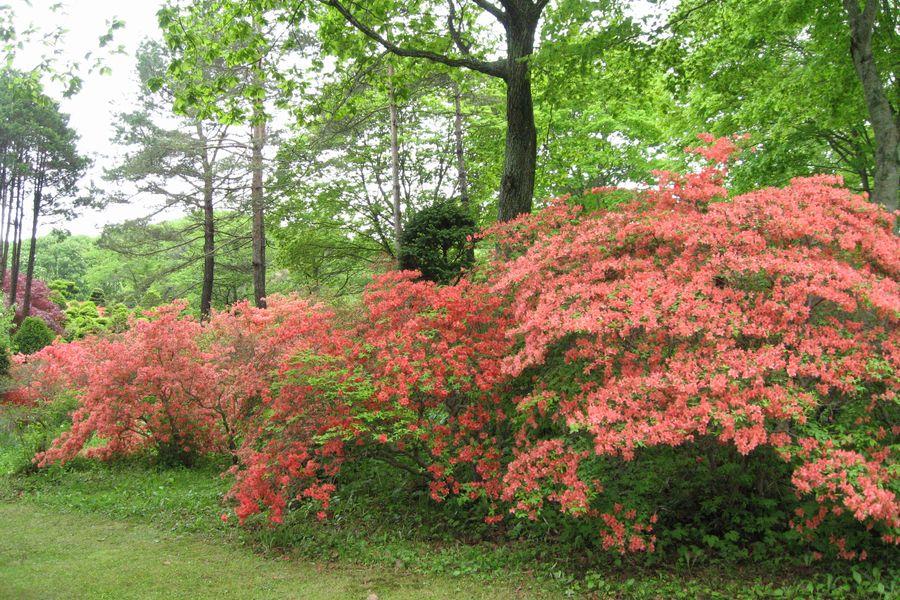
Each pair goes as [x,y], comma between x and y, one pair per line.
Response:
[46,554]
[132,529]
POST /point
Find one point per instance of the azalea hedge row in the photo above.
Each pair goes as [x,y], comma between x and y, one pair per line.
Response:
[765,322]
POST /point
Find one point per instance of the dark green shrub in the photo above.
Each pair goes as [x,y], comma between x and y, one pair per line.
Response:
[435,242]
[117,317]
[4,362]
[32,335]
[98,297]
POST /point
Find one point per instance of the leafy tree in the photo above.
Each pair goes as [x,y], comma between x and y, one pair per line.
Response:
[784,72]
[519,19]
[38,158]
[338,205]
[414,32]
[245,43]
[196,154]
[155,263]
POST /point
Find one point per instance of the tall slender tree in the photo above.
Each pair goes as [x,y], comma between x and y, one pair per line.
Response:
[194,165]
[39,169]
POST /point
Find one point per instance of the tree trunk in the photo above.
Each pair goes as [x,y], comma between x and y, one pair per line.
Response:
[209,231]
[4,189]
[32,247]
[864,180]
[395,159]
[881,115]
[7,229]
[462,173]
[16,244]
[258,209]
[517,184]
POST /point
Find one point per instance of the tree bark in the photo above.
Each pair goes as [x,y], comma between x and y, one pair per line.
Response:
[258,210]
[881,114]
[16,244]
[395,160]
[5,184]
[209,230]
[462,173]
[517,183]
[32,246]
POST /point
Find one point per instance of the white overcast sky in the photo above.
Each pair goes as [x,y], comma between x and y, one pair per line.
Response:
[93,109]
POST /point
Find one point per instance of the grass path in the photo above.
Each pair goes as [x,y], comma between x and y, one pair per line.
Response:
[46,555]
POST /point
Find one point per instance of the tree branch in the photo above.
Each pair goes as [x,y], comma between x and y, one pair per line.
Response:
[498,12]
[494,69]
[454,32]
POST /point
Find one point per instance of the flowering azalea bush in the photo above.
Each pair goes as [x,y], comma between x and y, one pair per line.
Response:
[749,329]
[676,318]
[767,320]
[167,382]
[412,381]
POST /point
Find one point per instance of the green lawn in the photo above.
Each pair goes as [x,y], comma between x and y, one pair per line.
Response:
[46,554]
[134,530]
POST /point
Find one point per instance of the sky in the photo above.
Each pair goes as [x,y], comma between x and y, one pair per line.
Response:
[93,109]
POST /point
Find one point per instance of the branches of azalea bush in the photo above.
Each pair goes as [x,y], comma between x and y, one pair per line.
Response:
[167,382]
[768,319]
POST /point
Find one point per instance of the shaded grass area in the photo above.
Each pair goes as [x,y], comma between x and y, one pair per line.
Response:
[380,538]
[45,554]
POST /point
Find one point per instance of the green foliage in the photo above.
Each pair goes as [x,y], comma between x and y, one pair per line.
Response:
[62,291]
[27,430]
[97,297]
[84,318]
[437,242]
[781,71]
[5,363]
[32,335]
[7,314]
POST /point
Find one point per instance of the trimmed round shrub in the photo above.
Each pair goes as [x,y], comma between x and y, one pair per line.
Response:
[436,242]
[32,335]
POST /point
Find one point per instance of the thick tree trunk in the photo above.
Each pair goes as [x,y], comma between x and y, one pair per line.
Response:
[209,231]
[395,160]
[258,210]
[881,115]
[517,184]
